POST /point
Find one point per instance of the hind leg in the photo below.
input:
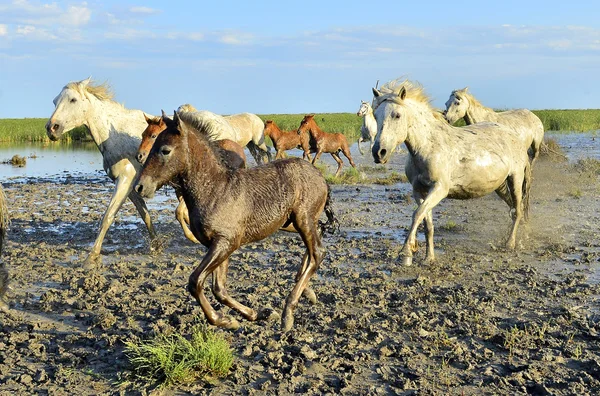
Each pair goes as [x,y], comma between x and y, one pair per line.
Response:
[312,241]
[339,162]
[346,152]
[515,185]
[219,288]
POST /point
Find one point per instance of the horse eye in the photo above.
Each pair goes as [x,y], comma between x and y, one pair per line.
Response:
[396,115]
[73,100]
[165,151]
[153,136]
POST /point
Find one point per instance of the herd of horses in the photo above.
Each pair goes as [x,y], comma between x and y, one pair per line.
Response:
[223,204]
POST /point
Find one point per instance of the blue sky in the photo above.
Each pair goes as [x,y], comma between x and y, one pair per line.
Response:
[298,57]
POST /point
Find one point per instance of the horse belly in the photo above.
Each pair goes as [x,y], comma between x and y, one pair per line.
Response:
[477,178]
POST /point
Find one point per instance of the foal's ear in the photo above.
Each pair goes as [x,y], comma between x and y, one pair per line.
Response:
[376,93]
[165,118]
[402,93]
[148,120]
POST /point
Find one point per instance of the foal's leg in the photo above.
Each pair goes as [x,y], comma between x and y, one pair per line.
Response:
[218,252]
[182,215]
[310,236]
[339,161]
[219,289]
[346,151]
[142,209]
[434,196]
[515,184]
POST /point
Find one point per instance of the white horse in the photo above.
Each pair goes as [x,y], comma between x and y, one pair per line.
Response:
[462,104]
[248,130]
[117,133]
[368,130]
[446,161]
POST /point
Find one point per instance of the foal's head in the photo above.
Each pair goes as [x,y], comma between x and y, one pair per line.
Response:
[167,158]
[270,126]
[155,126]
[307,124]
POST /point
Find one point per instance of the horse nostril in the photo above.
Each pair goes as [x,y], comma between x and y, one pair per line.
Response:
[139,188]
[140,157]
[382,153]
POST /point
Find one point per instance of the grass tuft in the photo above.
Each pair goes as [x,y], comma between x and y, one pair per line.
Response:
[175,359]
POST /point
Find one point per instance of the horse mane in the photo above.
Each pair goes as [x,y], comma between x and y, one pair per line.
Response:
[465,93]
[186,107]
[212,145]
[100,91]
[414,90]
[205,122]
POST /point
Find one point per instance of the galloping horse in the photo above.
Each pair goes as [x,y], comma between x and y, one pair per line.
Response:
[287,140]
[462,104]
[117,133]
[228,209]
[4,220]
[368,130]
[446,161]
[248,131]
[324,142]
[232,153]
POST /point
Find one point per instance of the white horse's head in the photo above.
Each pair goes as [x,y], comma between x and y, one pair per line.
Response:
[392,124]
[457,105]
[73,106]
[364,109]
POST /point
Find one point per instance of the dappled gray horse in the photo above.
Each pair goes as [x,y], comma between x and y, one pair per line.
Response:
[446,161]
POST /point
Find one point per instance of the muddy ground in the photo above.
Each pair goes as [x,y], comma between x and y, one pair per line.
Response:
[481,320]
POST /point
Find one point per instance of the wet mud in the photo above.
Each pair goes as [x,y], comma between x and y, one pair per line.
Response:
[481,320]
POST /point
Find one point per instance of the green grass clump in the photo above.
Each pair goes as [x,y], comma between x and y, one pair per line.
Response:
[348,176]
[174,359]
[33,130]
[569,120]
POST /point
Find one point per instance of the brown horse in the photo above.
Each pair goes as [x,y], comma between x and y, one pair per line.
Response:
[232,208]
[287,140]
[325,142]
[232,154]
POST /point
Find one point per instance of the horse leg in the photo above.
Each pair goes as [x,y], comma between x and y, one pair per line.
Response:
[123,186]
[317,156]
[219,289]
[310,236]
[182,215]
[429,252]
[254,152]
[515,184]
[142,209]
[360,139]
[217,253]
[346,151]
[434,196]
[339,161]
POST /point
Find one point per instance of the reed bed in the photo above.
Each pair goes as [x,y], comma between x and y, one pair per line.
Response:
[32,129]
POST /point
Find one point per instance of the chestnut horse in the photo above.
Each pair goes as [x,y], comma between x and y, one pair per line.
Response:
[287,140]
[232,154]
[325,142]
[227,210]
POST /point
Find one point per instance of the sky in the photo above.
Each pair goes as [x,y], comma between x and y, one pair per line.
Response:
[298,56]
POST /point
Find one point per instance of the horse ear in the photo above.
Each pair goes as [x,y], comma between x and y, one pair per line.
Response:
[466,89]
[376,93]
[147,119]
[402,93]
[86,81]
[162,112]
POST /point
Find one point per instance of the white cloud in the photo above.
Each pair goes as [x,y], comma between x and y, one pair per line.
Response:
[236,38]
[144,10]
[3,30]
[38,14]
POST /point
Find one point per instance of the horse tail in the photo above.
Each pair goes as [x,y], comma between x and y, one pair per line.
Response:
[332,224]
[526,190]
[4,221]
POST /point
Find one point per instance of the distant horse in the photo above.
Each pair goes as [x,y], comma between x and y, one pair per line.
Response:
[446,161]
[4,220]
[462,104]
[232,153]
[368,130]
[248,132]
[287,140]
[324,142]
[232,208]
[117,133]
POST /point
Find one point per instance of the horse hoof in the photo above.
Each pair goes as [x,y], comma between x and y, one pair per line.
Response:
[407,261]
[268,314]
[230,324]
[310,295]
[91,262]
[287,323]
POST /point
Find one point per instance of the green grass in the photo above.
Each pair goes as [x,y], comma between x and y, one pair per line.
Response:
[360,175]
[175,359]
[32,129]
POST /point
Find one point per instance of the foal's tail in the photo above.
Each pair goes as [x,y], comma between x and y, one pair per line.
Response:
[331,225]
[526,191]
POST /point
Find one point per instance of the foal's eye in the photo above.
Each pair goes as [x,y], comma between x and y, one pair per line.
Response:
[165,151]
[153,136]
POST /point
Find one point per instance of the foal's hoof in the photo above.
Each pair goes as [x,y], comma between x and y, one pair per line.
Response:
[310,295]
[229,323]
[407,261]
[268,314]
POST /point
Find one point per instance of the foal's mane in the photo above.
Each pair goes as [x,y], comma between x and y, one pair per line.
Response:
[100,91]
[201,134]
[204,123]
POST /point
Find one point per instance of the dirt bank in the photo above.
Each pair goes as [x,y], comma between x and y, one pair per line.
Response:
[479,321]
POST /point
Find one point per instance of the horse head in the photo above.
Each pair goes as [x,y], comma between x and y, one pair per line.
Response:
[392,127]
[457,105]
[156,126]
[306,124]
[363,109]
[72,106]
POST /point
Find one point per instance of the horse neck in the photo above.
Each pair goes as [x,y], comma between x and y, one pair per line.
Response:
[316,131]
[424,130]
[110,124]
[204,175]
[478,113]
[275,132]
